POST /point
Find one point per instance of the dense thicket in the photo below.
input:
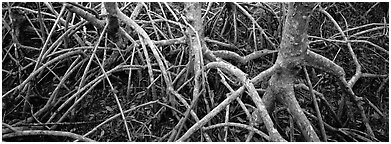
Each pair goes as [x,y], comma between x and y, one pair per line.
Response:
[168,71]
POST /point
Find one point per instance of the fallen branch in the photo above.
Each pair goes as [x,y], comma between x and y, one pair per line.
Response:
[48,133]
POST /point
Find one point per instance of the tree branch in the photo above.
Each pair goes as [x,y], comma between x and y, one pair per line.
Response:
[48,133]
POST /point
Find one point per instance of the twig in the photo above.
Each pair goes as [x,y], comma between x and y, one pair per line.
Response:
[374,107]
[226,120]
[66,55]
[359,27]
[370,9]
[320,120]
[353,41]
[355,133]
[321,96]
[90,86]
[348,85]
[42,38]
[256,24]
[368,30]
[374,75]
[380,97]
[44,47]
[153,23]
[127,111]
[150,72]
[234,13]
[207,10]
[129,85]
[47,132]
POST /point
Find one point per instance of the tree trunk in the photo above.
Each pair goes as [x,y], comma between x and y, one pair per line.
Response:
[291,54]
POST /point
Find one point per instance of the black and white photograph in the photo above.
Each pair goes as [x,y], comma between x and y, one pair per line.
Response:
[207,71]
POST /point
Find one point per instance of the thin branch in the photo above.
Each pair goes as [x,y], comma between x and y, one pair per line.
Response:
[348,85]
[321,96]
[256,24]
[225,54]
[33,74]
[48,133]
[320,120]
[358,73]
